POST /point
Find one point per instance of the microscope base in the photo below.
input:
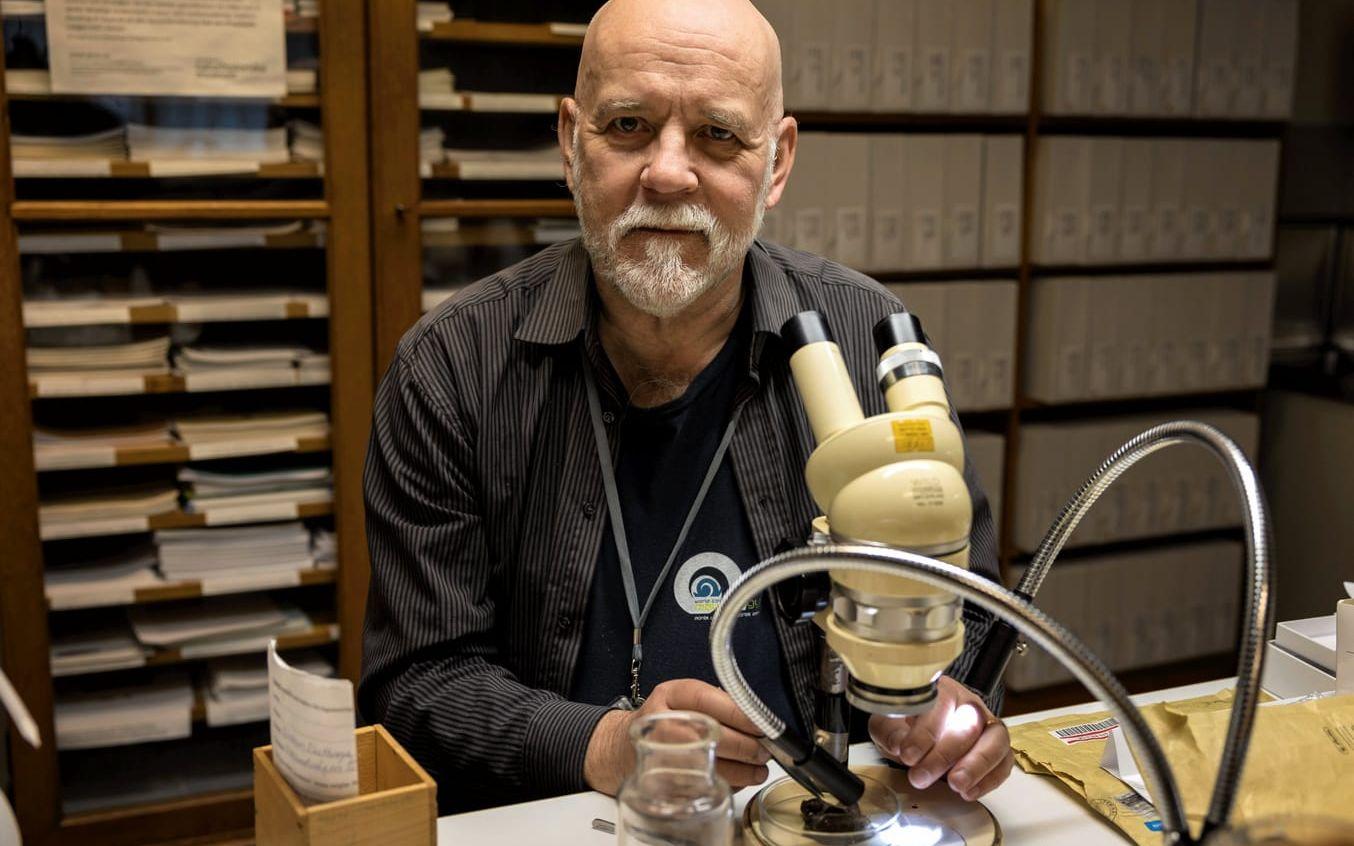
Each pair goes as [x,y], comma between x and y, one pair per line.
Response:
[932,817]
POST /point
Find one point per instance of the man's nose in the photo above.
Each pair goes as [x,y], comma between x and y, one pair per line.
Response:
[669,171]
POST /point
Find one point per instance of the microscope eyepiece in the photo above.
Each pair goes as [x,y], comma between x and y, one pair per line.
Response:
[899,328]
[807,327]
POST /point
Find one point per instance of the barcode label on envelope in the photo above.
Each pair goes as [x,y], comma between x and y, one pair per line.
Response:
[1086,731]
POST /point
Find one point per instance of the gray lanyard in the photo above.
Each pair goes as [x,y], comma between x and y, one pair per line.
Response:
[638,616]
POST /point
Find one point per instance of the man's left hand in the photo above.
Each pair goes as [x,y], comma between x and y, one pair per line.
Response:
[958,739]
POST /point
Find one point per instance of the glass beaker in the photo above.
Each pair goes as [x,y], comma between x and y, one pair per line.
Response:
[673,797]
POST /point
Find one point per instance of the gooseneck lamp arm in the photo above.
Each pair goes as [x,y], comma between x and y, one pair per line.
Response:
[996,649]
[1016,610]
[1029,620]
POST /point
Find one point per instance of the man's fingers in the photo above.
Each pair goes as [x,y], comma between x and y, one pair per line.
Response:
[696,695]
[920,738]
[987,754]
[959,729]
[736,746]
[890,733]
[740,775]
[992,780]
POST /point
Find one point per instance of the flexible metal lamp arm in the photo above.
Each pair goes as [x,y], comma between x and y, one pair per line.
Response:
[972,587]
[996,649]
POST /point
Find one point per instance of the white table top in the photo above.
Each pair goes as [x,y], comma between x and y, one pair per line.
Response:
[1031,809]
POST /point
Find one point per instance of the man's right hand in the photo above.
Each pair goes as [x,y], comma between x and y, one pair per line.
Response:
[740,759]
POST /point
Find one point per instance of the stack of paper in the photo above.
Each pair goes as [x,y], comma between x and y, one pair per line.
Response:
[541,163]
[307,141]
[437,89]
[108,512]
[94,446]
[103,146]
[231,434]
[219,368]
[139,358]
[111,580]
[431,12]
[251,305]
[324,549]
[168,144]
[75,310]
[229,560]
[216,626]
[160,710]
[236,689]
[431,146]
[219,236]
[110,646]
[208,491]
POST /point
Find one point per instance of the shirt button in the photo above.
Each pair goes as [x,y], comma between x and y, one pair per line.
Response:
[608,418]
[589,510]
[565,622]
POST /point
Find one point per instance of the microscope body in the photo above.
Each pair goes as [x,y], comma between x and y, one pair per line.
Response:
[895,479]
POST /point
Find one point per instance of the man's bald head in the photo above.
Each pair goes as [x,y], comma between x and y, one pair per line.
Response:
[731,33]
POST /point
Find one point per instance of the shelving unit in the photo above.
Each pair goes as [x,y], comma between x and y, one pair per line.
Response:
[401,201]
[84,217]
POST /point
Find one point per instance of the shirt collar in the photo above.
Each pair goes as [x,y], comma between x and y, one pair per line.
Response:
[562,309]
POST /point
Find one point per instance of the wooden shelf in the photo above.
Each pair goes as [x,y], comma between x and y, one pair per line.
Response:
[179,519]
[317,635]
[118,169]
[1134,268]
[489,32]
[1139,680]
[947,274]
[224,813]
[143,241]
[192,589]
[496,208]
[1202,127]
[290,101]
[170,453]
[813,119]
[298,307]
[85,210]
[171,383]
[1041,411]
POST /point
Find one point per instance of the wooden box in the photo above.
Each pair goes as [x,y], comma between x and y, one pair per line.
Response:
[396,803]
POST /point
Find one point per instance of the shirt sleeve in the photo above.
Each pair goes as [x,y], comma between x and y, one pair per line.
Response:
[430,671]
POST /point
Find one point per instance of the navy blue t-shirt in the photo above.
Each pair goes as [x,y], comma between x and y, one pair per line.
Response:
[663,456]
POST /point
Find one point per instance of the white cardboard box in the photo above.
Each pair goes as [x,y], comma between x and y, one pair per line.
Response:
[1003,174]
[1146,57]
[963,177]
[1287,675]
[1281,38]
[1215,75]
[894,55]
[931,68]
[814,28]
[926,184]
[852,63]
[890,221]
[1179,22]
[847,199]
[1135,215]
[1012,41]
[1105,175]
[971,56]
[1109,82]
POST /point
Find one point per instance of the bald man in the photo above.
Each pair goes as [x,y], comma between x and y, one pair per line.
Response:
[573,459]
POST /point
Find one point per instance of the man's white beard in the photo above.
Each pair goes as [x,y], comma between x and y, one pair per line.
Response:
[661,283]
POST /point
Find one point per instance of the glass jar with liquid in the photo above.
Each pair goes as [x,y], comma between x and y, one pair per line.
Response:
[674,797]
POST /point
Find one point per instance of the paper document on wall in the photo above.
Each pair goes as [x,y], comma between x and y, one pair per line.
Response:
[312,723]
[227,48]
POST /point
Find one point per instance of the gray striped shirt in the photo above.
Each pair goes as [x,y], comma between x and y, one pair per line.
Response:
[485,510]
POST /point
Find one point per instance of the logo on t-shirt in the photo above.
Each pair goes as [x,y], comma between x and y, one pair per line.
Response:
[702,581]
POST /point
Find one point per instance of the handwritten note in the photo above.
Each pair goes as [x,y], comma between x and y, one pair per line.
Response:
[313,723]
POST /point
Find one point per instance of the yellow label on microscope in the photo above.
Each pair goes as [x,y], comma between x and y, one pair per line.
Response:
[913,436]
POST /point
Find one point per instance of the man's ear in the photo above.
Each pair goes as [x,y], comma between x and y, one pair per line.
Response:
[564,130]
[787,134]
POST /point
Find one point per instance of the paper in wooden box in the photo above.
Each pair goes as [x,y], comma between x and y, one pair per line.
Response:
[396,803]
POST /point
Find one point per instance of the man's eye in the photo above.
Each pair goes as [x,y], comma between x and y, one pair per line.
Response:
[719,133]
[626,125]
